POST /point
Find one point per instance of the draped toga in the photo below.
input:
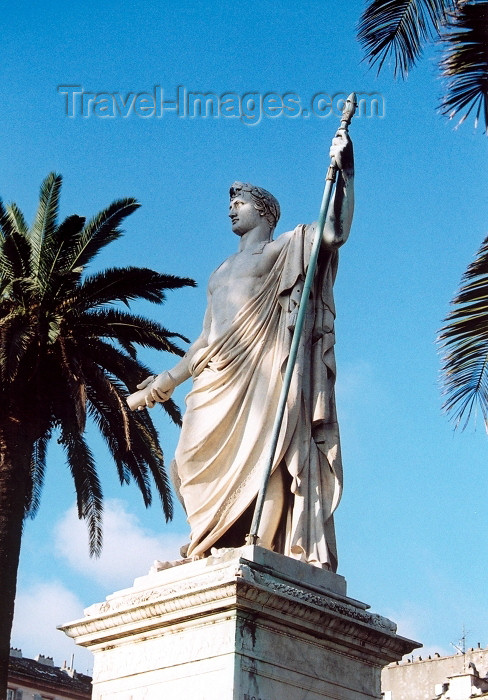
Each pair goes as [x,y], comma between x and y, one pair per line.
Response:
[225,436]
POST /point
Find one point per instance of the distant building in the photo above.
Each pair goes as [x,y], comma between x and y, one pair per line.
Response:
[40,679]
[458,677]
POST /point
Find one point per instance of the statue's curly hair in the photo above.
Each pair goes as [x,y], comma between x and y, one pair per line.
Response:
[267,205]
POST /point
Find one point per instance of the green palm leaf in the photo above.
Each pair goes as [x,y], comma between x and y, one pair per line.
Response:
[6,224]
[144,438]
[127,369]
[100,231]
[125,284]
[110,411]
[45,223]
[38,468]
[400,28]
[17,338]
[465,62]
[89,495]
[107,405]
[73,381]
[6,267]
[16,250]
[464,342]
[17,219]
[127,329]
[58,277]
[116,362]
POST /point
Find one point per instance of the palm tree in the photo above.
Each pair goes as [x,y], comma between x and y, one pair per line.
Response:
[401,28]
[464,341]
[66,351]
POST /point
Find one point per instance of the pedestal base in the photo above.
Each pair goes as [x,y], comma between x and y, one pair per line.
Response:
[247,624]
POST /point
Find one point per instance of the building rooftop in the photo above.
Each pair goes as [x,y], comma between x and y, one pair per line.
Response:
[42,673]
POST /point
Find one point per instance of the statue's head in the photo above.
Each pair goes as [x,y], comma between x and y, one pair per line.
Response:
[263,201]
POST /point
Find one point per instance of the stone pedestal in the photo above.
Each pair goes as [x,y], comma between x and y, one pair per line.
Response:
[246,624]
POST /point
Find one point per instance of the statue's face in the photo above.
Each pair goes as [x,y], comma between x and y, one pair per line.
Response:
[243,214]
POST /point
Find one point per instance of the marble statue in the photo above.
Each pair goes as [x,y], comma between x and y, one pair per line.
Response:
[237,365]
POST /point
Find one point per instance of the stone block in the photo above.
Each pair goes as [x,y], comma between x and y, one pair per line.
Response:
[244,624]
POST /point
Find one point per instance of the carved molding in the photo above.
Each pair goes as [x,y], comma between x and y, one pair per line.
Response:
[236,586]
[323,601]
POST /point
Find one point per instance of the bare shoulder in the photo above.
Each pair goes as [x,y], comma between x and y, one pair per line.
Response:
[276,245]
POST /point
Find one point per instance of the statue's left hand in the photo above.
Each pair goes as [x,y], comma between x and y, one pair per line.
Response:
[342,151]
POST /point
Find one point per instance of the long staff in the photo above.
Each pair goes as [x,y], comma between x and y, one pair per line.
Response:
[347,115]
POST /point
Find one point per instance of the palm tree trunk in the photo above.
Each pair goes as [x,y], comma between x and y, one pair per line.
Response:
[15,454]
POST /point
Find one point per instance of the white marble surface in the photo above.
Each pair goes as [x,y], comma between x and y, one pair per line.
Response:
[248,624]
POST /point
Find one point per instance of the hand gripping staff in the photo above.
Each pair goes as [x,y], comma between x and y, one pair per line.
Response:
[347,114]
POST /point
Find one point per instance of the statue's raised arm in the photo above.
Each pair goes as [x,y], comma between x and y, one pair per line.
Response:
[339,217]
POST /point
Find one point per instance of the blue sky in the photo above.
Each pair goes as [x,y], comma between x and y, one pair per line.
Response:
[412,524]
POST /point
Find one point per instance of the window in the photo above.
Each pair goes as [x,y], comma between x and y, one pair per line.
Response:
[14,694]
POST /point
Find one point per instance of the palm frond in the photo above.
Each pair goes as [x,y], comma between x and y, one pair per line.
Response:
[131,437]
[45,221]
[15,253]
[112,360]
[172,410]
[128,346]
[400,28]
[6,267]
[38,468]
[145,442]
[106,398]
[124,284]
[17,219]
[71,375]
[58,279]
[100,231]
[17,338]
[6,224]
[108,407]
[127,369]
[87,484]
[464,343]
[126,328]
[464,64]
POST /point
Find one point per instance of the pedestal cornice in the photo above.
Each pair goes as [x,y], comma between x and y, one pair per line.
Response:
[255,582]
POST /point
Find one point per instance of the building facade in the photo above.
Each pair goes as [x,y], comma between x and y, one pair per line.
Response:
[458,677]
[40,679]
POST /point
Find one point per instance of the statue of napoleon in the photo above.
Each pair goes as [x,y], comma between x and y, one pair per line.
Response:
[237,365]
